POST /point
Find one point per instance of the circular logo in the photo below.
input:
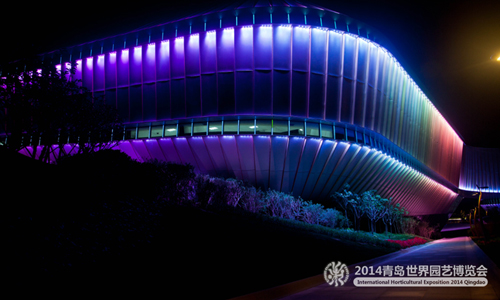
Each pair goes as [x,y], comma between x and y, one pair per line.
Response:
[336,272]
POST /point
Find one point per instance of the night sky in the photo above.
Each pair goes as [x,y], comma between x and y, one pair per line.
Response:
[445,46]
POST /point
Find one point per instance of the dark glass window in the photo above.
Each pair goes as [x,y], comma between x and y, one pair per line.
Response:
[63,138]
[230,127]
[359,136]
[339,132]
[297,128]
[171,130]
[130,133]
[200,128]
[312,129]
[156,131]
[215,127]
[247,126]
[326,131]
[350,135]
[280,127]
[264,126]
[73,138]
[185,129]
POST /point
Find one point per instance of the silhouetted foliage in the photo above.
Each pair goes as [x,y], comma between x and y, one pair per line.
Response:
[50,109]
[177,181]
[112,174]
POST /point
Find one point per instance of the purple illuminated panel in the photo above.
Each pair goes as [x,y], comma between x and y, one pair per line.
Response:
[263,50]
[245,144]
[149,63]
[348,84]
[177,58]
[225,50]
[136,66]
[163,61]
[282,42]
[262,146]
[360,93]
[110,70]
[192,50]
[202,156]
[123,68]
[208,52]
[300,74]
[169,151]
[243,48]
[244,76]
[98,78]
[87,73]
[334,80]
[208,77]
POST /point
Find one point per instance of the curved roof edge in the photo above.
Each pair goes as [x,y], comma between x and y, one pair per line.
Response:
[240,13]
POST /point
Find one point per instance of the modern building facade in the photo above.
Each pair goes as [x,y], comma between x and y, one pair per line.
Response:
[290,97]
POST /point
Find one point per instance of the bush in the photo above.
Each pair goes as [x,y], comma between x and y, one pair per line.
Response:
[177,181]
[205,190]
[111,174]
[409,243]
[419,227]
[278,204]
[344,222]
[312,213]
[252,200]
[235,191]
[331,218]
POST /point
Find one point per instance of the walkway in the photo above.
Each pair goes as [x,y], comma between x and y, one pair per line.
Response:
[454,251]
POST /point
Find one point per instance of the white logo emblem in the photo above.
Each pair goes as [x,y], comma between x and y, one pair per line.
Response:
[337,273]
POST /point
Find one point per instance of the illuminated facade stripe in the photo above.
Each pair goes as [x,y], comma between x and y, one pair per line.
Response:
[259,159]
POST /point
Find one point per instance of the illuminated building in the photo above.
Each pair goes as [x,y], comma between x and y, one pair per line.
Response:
[293,98]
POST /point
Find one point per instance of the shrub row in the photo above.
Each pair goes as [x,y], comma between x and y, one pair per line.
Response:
[409,243]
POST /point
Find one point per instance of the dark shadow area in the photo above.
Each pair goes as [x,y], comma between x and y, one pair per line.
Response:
[85,229]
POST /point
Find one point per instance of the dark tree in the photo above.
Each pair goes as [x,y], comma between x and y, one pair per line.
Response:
[48,109]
